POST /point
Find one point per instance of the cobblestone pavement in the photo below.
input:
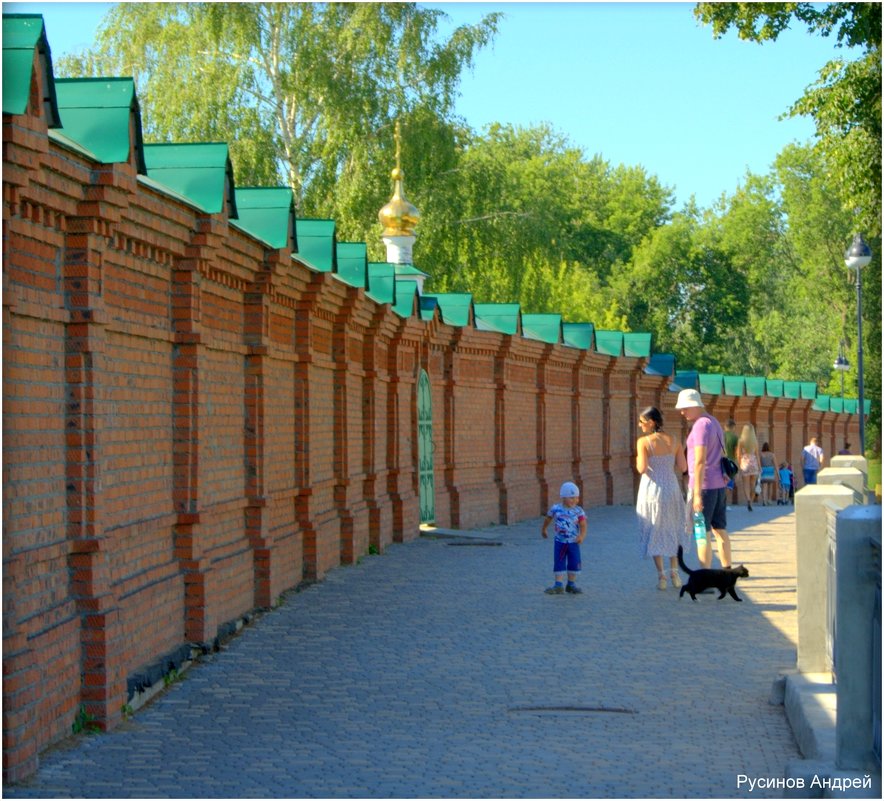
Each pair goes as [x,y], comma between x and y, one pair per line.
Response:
[441,669]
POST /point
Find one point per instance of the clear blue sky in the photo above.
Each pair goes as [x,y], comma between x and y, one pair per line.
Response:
[637,83]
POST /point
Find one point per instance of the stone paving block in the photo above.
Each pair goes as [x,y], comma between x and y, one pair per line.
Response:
[406,675]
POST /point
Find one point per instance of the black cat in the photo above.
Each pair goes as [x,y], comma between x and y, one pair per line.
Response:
[723,580]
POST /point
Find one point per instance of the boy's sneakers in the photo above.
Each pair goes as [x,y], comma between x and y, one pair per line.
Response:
[558,589]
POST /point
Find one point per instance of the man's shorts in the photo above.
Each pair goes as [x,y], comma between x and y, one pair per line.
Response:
[567,557]
[714,509]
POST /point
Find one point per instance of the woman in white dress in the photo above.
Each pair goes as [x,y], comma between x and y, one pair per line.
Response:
[660,505]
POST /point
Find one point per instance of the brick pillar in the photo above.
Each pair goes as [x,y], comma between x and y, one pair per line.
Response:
[199,626]
[304,311]
[103,689]
[257,338]
[349,377]
[578,466]
[375,391]
[24,145]
[504,353]
[606,432]
[543,480]
[451,475]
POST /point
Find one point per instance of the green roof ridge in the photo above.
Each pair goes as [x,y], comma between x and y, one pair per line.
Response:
[201,172]
[609,343]
[267,213]
[500,317]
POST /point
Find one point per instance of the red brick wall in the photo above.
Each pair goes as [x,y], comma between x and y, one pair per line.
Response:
[194,424]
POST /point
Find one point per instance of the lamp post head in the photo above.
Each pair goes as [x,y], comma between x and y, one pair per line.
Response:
[859,254]
[841,363]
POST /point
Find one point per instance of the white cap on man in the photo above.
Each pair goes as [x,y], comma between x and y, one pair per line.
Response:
[689,398]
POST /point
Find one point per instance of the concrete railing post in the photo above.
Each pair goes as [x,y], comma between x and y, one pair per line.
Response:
[849,460]
[811,547]
[857,616]
[846,477]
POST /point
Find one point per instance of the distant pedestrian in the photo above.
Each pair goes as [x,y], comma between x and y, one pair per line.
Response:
[569,524]
[660,506]
[749,460]
[845,451]
[794,482]
[708,484]
[730,448]
[785,491]
[812,460]
[769,475]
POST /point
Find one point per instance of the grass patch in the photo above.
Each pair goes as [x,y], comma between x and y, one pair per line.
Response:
[874,473]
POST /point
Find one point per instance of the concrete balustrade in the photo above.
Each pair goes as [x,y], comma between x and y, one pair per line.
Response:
[811,548]
[858,595]
[849,460]
[845,477]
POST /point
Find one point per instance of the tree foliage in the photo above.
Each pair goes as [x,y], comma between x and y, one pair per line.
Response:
[306,95]
[302,92]
[844,102]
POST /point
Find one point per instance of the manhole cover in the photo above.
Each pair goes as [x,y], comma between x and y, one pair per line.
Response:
[619,710]
[479,543]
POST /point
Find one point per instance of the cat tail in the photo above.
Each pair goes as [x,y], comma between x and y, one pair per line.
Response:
[681,563]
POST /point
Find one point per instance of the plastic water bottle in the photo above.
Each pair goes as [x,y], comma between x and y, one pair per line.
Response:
[699,527]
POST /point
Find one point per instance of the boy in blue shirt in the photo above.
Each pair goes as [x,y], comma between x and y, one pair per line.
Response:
[785,485]
[570,528]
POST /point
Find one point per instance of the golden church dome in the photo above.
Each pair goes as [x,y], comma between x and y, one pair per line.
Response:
[399,217]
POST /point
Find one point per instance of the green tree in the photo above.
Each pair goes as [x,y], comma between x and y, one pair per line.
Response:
[683,288]
[523,215]
[302,92]
[845,104]
[845,101]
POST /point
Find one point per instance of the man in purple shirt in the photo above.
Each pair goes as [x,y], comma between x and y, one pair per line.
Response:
[708,484]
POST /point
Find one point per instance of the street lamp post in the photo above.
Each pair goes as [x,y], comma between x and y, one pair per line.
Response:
[842,366]
[858,255]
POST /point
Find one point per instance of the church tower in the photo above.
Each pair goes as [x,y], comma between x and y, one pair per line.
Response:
[400,218]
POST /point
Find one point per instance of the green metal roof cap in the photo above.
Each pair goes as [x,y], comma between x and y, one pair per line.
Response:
[316,243]
[711,383]
[578,335]
[755,386]
[836,405]
[453,306]
[609,342]
[851,405]
[543,327]
[201,172]
[808,390]
[500,317]
[381,282]
[637,344]
[792,389]
[821,403]
[268,214]
[23,34]
[662,364]
[685,379]
[352,263]
[775,387]
[427,306]
[405,292]
[734,385]
[98,113]
[409,270]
